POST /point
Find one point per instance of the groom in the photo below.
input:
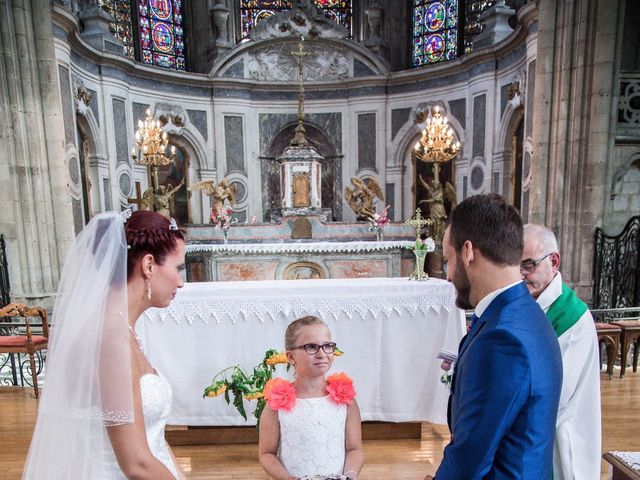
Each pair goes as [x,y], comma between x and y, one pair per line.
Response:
[506,384]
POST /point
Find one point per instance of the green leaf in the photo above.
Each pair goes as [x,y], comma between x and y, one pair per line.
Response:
[239,404]
[226,395]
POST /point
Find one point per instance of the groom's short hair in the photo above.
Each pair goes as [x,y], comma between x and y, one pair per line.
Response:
[491,225]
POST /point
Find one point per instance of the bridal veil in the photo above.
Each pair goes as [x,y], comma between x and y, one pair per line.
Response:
[88,382]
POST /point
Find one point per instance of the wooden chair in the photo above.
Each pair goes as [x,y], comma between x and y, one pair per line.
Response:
[609,334]
[630,336]
[27,343]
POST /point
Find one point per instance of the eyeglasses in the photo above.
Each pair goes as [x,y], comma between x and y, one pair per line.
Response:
[529,265]
[313,348]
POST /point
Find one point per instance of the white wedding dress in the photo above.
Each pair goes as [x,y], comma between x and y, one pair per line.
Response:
[156,396]
[312,437]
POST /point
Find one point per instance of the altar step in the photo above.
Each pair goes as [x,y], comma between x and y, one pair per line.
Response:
[182,435]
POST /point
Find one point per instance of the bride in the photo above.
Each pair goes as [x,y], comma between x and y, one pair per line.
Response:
[104,407]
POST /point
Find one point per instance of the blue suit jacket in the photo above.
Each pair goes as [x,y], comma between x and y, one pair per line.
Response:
[504,395]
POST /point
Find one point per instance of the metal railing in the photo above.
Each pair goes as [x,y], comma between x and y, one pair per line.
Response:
[5,296]
[607,315]
[616,267]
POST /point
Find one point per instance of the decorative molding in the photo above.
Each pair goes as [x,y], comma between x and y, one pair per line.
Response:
[297,248]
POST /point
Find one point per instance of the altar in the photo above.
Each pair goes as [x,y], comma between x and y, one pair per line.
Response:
[390,330]
[296,261]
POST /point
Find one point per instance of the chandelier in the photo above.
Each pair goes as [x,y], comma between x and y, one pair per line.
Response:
[437,144]
[152,143]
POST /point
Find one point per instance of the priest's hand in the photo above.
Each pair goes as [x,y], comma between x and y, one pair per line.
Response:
[428,477]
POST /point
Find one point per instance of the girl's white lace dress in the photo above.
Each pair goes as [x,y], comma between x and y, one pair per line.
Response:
[156,396]
[312,437]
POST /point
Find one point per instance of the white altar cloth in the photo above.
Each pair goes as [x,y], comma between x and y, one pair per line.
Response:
[389,328]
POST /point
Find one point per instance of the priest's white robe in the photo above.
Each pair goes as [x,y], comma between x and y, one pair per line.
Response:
[576,453]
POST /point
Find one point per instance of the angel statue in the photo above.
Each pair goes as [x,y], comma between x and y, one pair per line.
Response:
[437,213]
[160,201]
[221,193]
[361,197]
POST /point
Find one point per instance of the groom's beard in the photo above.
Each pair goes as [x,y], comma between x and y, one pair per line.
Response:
[460,280]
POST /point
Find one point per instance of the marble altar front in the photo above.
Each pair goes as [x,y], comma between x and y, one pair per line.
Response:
[294,261]
[298,247]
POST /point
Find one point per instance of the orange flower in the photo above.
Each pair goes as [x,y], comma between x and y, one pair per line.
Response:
[340,388]
[280,394]
[217,391]
[253,396]
[277,358]
[337,352]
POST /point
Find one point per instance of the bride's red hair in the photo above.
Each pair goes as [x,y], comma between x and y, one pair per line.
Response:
[149,232]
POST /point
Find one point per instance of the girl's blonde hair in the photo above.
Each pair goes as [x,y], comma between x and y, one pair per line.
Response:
[294,327]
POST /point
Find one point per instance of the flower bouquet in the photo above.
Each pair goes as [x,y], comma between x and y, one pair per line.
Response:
[223,219]
[235,381]
[379,222]
[420,249]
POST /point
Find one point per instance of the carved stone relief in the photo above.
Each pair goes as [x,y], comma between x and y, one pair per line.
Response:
[304,19]
[277,64]
[303,271]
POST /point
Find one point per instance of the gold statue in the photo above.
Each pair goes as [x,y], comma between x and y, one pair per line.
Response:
[450,194]
[361,197]
[160,201]
[437,212]
[219,194]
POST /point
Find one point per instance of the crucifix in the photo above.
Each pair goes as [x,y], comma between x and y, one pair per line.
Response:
[137,200]
[418,222]
[299,139]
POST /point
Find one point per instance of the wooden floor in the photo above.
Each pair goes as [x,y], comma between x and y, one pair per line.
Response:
[399,459]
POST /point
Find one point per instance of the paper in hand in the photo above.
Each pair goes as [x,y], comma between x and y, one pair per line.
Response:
[447,355]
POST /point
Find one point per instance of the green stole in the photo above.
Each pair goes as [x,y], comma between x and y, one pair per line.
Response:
[565,312]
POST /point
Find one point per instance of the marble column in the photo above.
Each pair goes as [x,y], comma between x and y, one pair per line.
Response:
[573,126]
[35,207]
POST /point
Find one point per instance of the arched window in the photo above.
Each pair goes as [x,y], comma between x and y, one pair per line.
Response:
[159,27]
[253,12]
[435,31]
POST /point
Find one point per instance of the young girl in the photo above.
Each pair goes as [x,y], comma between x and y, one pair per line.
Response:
[311,427]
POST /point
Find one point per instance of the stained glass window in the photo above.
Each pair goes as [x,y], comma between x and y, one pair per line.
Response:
[473,24]
[121,27]
[435,31]
[253,12]
[161,33]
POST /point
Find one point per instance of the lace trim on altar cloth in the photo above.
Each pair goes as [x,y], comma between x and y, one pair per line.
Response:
[241,309]
[284,248]
[631,459]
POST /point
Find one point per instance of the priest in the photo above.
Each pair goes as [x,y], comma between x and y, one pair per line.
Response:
[576,453]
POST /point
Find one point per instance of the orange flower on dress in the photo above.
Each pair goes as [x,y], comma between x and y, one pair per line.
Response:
[340,388]
[280,394]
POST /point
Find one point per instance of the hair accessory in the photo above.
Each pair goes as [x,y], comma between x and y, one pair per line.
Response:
[126,214]
[172,224]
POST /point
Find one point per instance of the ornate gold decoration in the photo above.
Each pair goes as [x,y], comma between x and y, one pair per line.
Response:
[152,143]
[418,222]
[361,197]
[513,89]
[437,145]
